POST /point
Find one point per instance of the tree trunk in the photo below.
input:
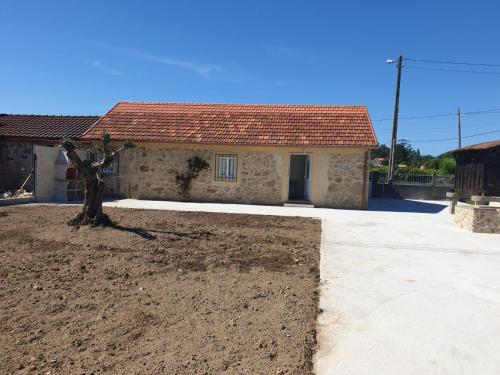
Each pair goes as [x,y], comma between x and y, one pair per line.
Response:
[94,184]
[92,206]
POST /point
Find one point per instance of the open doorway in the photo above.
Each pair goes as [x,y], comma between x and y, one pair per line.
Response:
[299,186]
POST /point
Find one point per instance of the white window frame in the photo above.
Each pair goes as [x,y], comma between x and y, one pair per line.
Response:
[226,167]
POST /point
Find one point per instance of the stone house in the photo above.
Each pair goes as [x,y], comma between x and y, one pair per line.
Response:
[20,133]
[259,154]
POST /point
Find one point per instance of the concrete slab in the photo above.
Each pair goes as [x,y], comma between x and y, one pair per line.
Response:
[14,201]
[404,291]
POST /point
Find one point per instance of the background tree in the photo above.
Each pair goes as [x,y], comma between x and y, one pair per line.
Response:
[413,160]
[447,165]
[92,174]
[381,152]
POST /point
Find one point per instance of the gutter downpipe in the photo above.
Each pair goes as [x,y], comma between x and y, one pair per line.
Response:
[364,204]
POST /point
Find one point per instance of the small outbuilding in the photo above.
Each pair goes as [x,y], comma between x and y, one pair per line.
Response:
[478,169]
[260,154]
[21,135]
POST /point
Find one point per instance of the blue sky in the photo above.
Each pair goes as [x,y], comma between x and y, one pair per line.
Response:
[69,57]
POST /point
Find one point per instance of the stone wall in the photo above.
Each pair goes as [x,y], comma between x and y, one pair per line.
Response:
[15,165]
[478,219]
[147,173]
[344,179]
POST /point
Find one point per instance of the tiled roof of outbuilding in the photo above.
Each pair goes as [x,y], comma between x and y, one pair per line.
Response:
[44,126]
[245,124]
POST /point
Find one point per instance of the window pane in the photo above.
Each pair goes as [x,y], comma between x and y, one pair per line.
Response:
[226,167]
[222,166]
[230,168]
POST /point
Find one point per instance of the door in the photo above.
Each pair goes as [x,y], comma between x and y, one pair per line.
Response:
[307,179]
[300,177]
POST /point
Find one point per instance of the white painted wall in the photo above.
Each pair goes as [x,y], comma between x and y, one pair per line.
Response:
[45,175]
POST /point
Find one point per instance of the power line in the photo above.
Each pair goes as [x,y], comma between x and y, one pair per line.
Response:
[452,70]
[453,62]
[452,139]
[496,110]
[443,127]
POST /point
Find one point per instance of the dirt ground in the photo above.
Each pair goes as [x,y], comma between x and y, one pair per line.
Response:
[160,293]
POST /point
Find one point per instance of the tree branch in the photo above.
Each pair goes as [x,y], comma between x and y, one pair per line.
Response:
[69,147]
[108,159]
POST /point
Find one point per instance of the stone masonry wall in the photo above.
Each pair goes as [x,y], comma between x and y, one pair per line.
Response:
[478,219]
[15,165]
[150,174]
[345,178]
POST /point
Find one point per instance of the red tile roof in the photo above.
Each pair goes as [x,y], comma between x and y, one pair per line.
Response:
[479,146]
[44,127]
[245,124]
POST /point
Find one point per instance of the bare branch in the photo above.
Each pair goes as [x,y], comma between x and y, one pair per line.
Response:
[69,147]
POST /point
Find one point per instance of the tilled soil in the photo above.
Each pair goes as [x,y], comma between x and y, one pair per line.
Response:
[160,293]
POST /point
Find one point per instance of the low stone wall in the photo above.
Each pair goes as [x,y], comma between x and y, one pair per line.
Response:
[478,219]
[15,165]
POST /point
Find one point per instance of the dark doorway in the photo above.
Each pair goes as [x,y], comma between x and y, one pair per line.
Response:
[299,182]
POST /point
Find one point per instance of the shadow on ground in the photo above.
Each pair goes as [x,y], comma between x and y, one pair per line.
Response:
[404,205]
[150,234]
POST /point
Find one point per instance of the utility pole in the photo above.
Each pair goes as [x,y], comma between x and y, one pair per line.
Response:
[459,124]
[390,171]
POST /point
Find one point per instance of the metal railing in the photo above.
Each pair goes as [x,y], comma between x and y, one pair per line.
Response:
[419,179]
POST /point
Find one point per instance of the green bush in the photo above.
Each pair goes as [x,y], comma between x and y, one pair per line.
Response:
[447,165]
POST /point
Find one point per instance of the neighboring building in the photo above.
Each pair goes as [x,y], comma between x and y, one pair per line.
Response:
[378,162]
[261,154]
[19,134]
[478,169]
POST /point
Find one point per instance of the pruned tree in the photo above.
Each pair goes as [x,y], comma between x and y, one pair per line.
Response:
[91,171]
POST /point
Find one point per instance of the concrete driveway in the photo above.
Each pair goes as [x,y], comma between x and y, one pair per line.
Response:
[403,290]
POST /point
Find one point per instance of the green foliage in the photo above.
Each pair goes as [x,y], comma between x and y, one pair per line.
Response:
[95,150]
[129,144]
[183,181]
[405,154]
[379,169]
[381,152]
[413,170]
[105,139]
[447,165]
[68,144]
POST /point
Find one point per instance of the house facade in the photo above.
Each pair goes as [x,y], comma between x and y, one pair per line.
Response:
[259,154]
[19,134]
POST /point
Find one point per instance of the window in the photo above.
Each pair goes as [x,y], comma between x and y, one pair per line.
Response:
[226,167]
[112,169]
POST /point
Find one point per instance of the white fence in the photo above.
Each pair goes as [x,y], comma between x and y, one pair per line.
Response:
[419,179]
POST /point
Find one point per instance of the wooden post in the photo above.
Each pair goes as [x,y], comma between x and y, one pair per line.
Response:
[394,139]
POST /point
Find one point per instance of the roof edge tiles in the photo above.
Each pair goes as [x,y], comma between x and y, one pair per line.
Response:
[240,124]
